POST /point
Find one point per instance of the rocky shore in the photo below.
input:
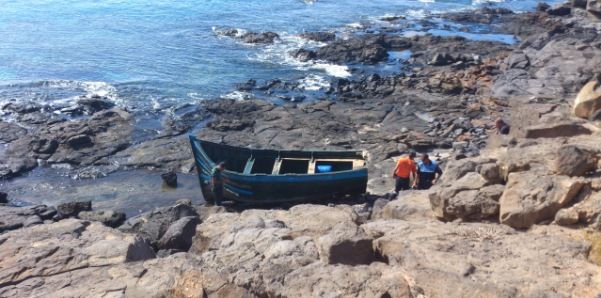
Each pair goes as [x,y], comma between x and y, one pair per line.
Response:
[513,216]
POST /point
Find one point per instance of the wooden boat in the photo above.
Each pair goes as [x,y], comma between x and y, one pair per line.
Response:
[272,176]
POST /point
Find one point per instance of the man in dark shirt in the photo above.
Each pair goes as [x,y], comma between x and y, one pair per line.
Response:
[428,172]
[217,182]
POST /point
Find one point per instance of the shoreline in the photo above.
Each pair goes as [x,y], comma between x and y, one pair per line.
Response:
[129,146]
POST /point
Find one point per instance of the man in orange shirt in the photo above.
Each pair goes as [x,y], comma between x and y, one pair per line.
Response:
[403,172]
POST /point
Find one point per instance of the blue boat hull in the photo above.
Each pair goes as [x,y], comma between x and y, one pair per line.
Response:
[274,188]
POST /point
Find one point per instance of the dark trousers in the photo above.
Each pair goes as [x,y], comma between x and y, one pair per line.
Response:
[401,184]
[424,184]
[217,194]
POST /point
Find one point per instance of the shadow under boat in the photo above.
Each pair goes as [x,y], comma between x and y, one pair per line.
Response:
[257,176]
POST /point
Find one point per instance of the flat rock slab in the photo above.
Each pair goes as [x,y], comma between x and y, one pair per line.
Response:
[63,247]
[488,260]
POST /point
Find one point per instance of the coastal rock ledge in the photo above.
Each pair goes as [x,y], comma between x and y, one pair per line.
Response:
[307,251]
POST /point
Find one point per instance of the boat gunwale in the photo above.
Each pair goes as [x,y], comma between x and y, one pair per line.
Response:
[289,175]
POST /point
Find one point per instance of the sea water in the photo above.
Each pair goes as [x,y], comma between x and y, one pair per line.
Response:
[153,54]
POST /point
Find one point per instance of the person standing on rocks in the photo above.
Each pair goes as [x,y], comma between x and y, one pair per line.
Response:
[502,127]
[428,172]
[217,182]
[404,171]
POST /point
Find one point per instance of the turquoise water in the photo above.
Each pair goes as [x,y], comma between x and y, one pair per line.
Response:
[150,55]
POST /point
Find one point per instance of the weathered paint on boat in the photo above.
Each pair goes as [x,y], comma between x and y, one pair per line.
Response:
[242,183]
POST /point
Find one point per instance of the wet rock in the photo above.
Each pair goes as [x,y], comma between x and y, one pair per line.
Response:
[72,209]
[542,6]
[80,142]
[588,101]
[531,198]
[10,132]
[170,179]
[303,55]
[559,11]
[165,154]
[153,225]
[442,59]
[32,221]
[179,234]
[109,218]
[246,86]
[319,36]
[94,104]
[3,197]
[574,161]
[44,146]
[393,18]
[363,50]
[21,108]
[261,38]
[14,167]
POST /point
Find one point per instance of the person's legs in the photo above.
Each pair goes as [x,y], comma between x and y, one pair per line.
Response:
[401,184]
[218,194]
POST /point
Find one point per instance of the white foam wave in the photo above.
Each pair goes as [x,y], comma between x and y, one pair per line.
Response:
[237,95]
[314,83]
[478,2]
[236,32]
[279,53]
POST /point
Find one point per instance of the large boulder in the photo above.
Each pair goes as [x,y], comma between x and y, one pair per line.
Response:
[476,203]
[531,197]
[575,161]
[179,234]
[154,224]
[471,197]
[409,205]
[588,101]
